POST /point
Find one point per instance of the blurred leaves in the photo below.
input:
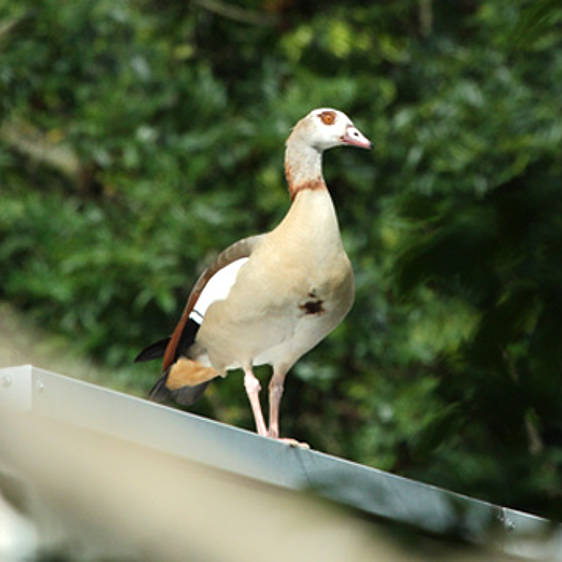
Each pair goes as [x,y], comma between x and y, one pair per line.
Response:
[138,139]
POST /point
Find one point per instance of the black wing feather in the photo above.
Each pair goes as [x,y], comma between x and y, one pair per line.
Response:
[153,351]
[186,395]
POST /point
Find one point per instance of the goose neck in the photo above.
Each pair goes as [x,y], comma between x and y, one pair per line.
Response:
[303,167]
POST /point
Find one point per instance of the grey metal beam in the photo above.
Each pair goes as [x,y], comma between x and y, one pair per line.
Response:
[244,453]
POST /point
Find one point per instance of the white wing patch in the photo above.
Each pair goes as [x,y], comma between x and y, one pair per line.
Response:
[216,289]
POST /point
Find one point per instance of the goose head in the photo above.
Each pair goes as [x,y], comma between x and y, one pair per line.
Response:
[326,128]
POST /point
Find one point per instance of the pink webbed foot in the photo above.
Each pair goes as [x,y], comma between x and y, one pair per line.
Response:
[289,441]
[293,442]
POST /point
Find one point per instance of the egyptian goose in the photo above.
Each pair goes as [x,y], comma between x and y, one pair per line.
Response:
[270,298]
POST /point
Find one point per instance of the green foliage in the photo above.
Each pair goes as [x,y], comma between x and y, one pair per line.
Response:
[137,139]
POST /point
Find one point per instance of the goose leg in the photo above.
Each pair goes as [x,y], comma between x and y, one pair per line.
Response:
[253,387]
[275,394]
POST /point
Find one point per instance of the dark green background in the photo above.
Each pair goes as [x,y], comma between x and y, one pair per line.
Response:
[138,138]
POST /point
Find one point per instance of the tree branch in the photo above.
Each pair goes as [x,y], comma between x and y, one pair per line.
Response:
[35,144]
[236,13]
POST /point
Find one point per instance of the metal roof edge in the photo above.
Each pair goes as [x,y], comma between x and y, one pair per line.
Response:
[188,436]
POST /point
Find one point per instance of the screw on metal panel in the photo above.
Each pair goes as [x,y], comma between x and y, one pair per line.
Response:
[40,385]
[6,381]
[508,523]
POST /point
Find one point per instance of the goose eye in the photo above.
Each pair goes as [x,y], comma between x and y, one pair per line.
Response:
[328,117]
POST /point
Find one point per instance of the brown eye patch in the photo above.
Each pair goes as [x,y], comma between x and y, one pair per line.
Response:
[328,117]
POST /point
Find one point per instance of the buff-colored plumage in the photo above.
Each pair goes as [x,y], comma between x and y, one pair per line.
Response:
[281,292]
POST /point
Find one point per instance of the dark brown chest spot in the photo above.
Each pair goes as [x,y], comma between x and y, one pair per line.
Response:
[314,305]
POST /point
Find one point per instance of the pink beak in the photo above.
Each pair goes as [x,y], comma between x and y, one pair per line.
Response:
[354,137]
